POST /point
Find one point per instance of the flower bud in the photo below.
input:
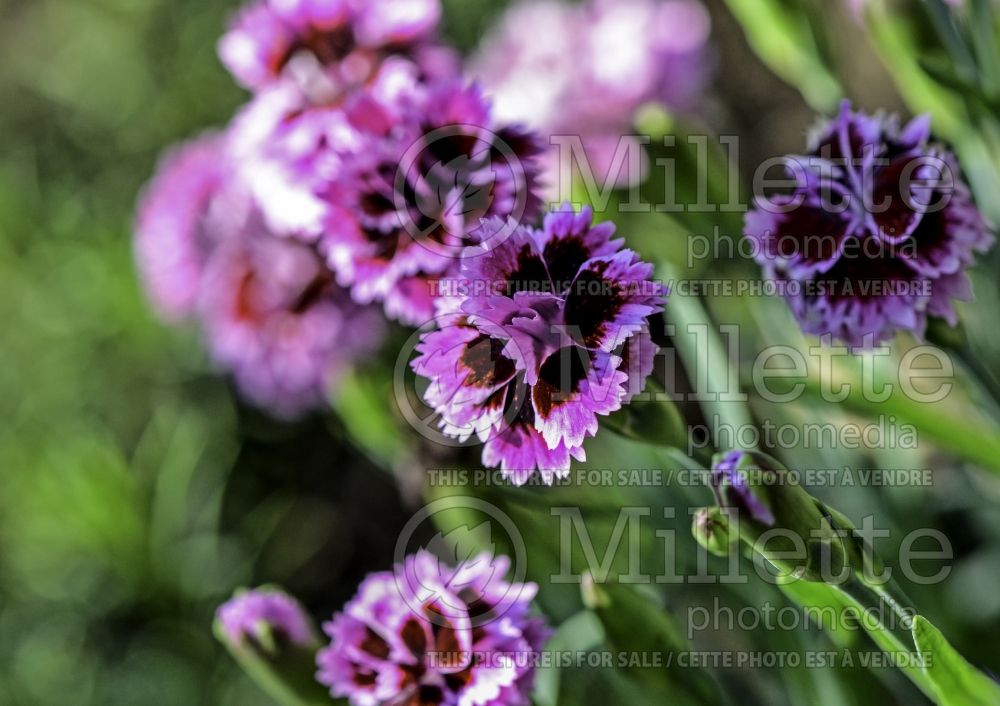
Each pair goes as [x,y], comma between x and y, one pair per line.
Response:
[272,638]
[266,618]
[772,513]
[710,528]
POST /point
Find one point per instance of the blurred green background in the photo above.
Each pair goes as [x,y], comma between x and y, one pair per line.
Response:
[136,492]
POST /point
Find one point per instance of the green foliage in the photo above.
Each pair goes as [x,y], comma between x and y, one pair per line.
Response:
[286,673]
[135,494]
[955,681]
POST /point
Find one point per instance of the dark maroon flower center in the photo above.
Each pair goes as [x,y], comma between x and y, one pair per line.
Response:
[867,277]
[809,233]
[592,304]
[487,365]
[559,378]
[565,257]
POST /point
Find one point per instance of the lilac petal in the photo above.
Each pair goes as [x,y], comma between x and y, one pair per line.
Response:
[529,323]
[574,387]
[467,370]
[396,21]
[638,356]
[508,261]
[247,613]
[568,239]
[610,300]
[255,46]
[917,132]
[521,450]
[171,242]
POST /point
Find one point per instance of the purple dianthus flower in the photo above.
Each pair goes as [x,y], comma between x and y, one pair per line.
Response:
[175,227]
[330,46]
[546,332]
[390,184]
[274,316]
[876,235]
[432,635]
[413,193]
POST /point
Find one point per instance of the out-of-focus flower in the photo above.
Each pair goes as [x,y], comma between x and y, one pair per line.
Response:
[174,231]
[542,334]
[270,308]
[877,234]
[391,184]
[410,201]
[274,316]
[434,635]
[330,46]
[285,151]
[267,617]
[355,175]
[589,75]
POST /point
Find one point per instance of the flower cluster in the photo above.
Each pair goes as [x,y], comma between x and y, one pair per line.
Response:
[585,69]
[435,635]
[542,332]
[269,307]
[876,235]
[354,176]
[387,183]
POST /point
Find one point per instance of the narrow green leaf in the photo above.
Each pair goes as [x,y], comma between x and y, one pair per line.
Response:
[581,632]
[656,422]
[635,624]
[955,681]
[364,400]
[706,359]
[781,37]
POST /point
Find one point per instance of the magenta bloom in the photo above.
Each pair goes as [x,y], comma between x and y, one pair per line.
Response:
[877,235]
[390,184]
[269,306]
[584,70]
[175,228]
[265,616]
[545,332]
[285,151]
[433,635]
[330,46]
[412,195]
[275,318]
